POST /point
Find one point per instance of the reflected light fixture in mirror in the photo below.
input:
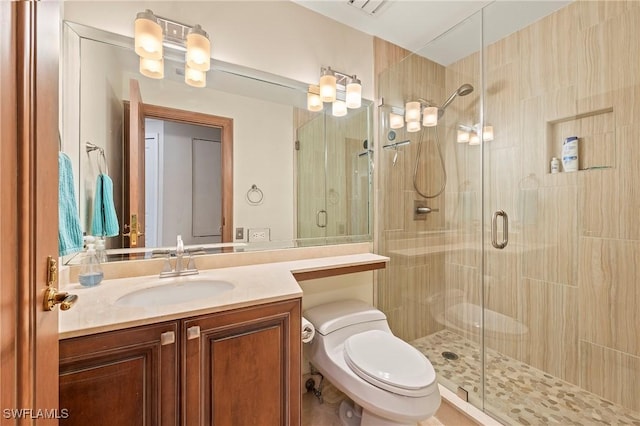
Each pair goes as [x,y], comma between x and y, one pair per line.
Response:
[342,90]
[471,134]
[430,117]
[396,121]
[412,112]
[413,126]
[152,31]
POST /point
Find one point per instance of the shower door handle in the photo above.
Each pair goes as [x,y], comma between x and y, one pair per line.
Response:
[505,229]
[323,225]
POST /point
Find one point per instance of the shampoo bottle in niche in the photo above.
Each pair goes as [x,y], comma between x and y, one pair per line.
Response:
[570,154]
[90,271]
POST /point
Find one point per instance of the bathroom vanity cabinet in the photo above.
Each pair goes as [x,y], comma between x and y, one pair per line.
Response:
[125,377]
[235,367]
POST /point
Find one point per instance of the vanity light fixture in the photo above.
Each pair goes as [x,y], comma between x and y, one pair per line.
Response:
[430,116]
[344,91]
[416,114]
[314,103]
[471,134]
[152,32]
[396,121]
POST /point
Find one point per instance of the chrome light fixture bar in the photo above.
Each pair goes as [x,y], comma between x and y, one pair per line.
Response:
[152,32]
[342,90]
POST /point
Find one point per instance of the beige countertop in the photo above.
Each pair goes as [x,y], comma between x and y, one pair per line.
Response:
[96,311]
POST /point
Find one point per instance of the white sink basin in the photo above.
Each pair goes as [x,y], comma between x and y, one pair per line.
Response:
[174,292]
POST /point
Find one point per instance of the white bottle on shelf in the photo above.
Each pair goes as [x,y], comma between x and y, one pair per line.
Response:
[555,165]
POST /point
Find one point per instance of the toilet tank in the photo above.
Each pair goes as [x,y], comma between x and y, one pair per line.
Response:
[330,317]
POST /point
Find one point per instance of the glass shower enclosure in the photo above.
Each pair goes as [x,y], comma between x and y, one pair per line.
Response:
[520,285]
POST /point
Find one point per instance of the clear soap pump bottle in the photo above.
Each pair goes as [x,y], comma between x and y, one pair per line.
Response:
[90,271]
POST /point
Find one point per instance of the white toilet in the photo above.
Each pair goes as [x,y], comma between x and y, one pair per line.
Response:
[355,350]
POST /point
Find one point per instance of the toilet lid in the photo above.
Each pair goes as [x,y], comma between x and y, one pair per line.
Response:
[389,363]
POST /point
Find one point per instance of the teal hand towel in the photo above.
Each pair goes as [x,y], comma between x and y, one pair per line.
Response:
[105,220]
[69,230]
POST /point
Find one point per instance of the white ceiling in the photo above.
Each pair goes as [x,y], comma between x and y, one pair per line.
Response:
[412,24]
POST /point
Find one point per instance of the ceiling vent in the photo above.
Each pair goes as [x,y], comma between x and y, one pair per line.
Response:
[370,7]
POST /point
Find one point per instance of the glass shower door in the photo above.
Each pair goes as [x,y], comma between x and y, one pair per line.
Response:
[561,298]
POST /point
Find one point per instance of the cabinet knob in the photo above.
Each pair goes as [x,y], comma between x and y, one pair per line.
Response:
[167,338]
[193,332]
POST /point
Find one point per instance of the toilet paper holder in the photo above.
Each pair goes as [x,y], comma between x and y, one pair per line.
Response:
[308,330]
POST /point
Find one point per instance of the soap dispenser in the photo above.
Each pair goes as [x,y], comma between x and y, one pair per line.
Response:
[90,271]
[101,252]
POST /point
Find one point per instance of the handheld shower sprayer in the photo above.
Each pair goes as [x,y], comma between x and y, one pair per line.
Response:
[463,90]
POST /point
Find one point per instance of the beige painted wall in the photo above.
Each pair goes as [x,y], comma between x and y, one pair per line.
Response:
[279,37]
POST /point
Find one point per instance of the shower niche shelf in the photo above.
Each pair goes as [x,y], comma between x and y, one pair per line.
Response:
[596,138]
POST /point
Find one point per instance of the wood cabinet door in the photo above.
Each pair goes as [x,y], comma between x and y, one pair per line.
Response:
[242,367]
[127,377]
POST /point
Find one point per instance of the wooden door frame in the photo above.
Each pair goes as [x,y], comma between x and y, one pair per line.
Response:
[225,125]
[28,206]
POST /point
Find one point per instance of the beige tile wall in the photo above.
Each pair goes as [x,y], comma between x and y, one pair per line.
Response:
[415,275]
[571,271]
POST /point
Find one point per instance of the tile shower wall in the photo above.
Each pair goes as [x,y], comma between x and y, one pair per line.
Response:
[570,273]
[416,271]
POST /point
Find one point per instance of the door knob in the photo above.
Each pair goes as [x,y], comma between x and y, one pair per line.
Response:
[53,297]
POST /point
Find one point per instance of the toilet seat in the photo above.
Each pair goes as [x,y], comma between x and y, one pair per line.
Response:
[389,363]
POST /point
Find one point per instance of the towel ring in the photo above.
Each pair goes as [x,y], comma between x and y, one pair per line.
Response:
[93,147]
[255,195]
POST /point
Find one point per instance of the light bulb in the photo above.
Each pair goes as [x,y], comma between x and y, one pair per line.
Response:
[396,121]
[152,68]
[430,117]
[412,111]
[195,77]
[463,136]
[198,54]
[474,139]
[339,108]
[313,100]
[328,86]
[354,93]
[413,126]
[148,36]
[487,133]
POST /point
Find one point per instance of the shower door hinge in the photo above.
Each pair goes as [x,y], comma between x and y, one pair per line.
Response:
[297,145]
[462,394]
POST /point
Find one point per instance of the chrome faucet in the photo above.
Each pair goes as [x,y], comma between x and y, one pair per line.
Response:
[179,254]
[180,268]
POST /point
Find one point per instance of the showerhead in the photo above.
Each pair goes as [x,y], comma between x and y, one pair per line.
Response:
[463,90]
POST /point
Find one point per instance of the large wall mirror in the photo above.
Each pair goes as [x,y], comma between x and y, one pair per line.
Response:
[238,165]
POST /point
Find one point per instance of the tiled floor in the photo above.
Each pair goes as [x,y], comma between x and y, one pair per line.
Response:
[516,392]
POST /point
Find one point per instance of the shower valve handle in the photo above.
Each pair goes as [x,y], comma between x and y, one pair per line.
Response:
[425,210]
